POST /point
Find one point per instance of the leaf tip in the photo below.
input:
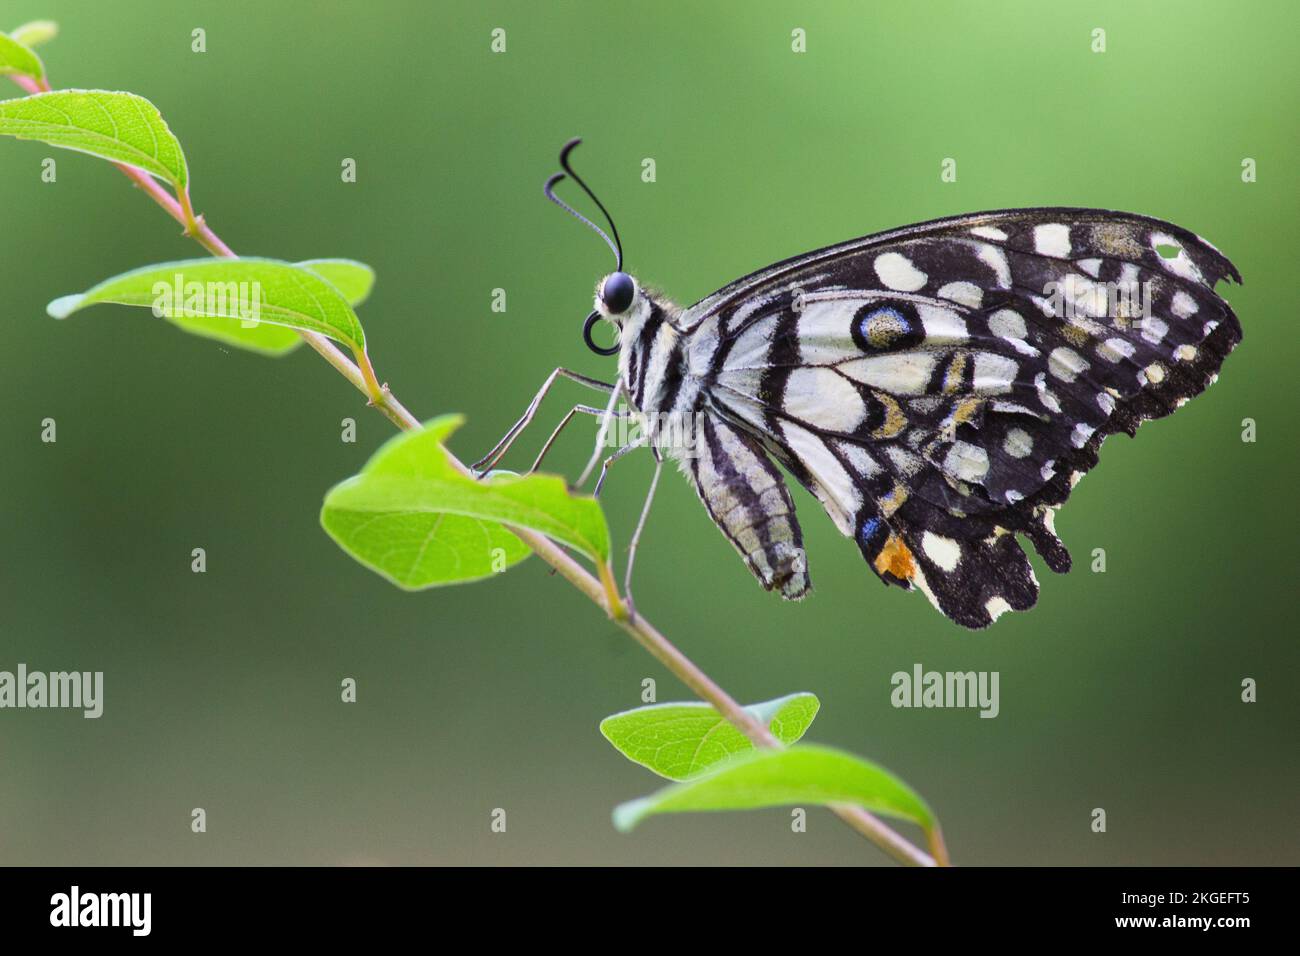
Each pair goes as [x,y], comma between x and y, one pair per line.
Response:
[628,815]
[604,726]
[35,33]
[64,306]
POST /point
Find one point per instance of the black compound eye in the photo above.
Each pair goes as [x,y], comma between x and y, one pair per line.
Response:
[617,292]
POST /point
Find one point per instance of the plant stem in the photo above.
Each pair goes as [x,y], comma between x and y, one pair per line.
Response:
[601,592]
[664,651]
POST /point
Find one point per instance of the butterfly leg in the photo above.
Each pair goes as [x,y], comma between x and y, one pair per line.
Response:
[503,446]
[577,409]
[636,535]
[633,445]
[618,392]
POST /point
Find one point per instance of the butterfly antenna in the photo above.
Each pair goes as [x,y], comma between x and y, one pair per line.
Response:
[615,244]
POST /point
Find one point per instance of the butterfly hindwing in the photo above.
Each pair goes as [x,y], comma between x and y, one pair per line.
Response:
[942,387]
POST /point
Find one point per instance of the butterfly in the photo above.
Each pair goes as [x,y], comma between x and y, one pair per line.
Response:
[939,388]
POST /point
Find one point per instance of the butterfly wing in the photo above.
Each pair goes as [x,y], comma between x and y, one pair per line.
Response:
[941,388]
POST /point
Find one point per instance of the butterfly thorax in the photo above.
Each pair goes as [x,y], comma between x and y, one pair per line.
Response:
[654,365]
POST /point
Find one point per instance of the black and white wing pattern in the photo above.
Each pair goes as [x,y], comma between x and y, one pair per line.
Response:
[941,388]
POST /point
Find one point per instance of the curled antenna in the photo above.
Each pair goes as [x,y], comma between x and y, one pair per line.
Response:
[615,244]
[591,343]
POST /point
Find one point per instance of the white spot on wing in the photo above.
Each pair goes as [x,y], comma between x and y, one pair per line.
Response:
[1090,298]
[1065,364]
[996,607]
[904,462]
[1180,265]
[897,272]
[996,259]
[1154,330]
[1052,239]
[906,373]
[1010,325]
[942,326]
[1006,324]
[994,374]
[1045,394]
[945,552]
[1015,408]
[963,293]
[966,462]
[1116,350]
[1183,304]
[1018,443]
[822,397]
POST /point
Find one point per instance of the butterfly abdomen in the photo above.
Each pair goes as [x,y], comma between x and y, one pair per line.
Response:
[748,501]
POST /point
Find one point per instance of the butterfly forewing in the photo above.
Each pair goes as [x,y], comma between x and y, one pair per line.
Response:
[943,386]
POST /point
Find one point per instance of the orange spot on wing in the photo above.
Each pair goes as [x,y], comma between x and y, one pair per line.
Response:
[895,558]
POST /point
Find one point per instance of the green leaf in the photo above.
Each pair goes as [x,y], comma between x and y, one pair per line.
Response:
[17,59]
[803,774]
[431,549]
[252,303]
[679,741]
[120,127]
[35,33]
[353,279]
[417,548]
[414,518]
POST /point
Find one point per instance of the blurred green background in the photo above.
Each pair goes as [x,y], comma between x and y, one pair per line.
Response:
[1120,690]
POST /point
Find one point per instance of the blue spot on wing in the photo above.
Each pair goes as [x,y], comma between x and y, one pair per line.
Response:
[868,531]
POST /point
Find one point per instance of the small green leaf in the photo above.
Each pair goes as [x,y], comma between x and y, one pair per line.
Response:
[679,741]
[35,33]
[414,518]
[431,549]
[417,548]
[803,774]
[353,279]
[17,59]
[252,303]
[120,127]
